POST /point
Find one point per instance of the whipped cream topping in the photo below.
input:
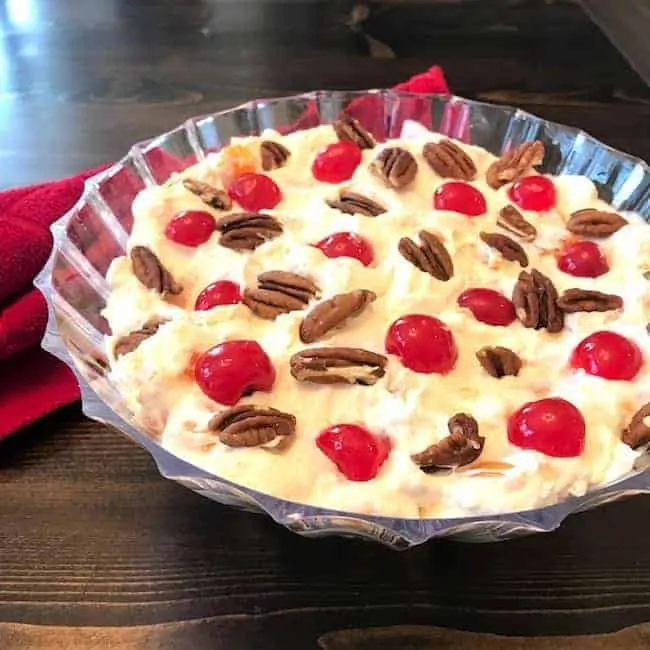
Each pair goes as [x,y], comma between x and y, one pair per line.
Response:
[411,409]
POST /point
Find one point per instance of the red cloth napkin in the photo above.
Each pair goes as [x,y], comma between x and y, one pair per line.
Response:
[32,382]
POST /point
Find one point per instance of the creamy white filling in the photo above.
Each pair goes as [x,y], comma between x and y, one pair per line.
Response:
[411,409]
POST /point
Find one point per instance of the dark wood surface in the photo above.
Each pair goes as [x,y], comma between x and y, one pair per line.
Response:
[96,550]
[627,29]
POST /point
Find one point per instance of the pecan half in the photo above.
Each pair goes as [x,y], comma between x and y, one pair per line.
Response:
[637,432]
[212,196]
[338,366]
[279,292]
[151,273]
[334,313]
[575,300]
[462,446]
[395,166]
[498,361]
[131,341]
[509,248]
[349,130]
[431,256]
[353,203]
[513,221]
[515,163]
[448,160]
[245,231]
[595,223]
[250,426]
[535,298]
[274,155]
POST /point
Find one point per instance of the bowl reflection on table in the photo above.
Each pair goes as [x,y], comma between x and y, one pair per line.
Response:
[95,231]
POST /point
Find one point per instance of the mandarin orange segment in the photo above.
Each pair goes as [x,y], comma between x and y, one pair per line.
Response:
[237,159]
[491,465]
[190,369]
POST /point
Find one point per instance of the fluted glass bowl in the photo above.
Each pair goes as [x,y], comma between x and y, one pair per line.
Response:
[95,231]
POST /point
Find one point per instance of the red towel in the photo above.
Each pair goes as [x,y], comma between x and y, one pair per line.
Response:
[33,383]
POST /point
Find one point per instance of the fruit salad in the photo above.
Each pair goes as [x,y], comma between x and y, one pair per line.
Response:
[410,328]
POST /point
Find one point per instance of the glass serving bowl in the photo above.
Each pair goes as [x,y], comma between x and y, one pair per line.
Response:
[95,231]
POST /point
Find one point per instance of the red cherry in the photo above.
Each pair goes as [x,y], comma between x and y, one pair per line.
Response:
[357,453]
[423,343]
[457,196]
[552,426]
[255,192]
[583,259]
[608,355]
[488,306]
[347,244]
[190,228]
[337,162]
[232,369]
[533,193]
[222,292]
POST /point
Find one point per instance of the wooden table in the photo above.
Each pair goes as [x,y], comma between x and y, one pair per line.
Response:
[96,550]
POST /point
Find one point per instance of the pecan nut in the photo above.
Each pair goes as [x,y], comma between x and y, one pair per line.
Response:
[245,231]
[595,223]
[513,221]
[348,129]
[431,256]
[514,164]
[274,155]
[535,299]
[333,313]
[131,341]
[462,446]
[353,203]
[212,196]
[338,366]
[509,248]
[498,361]
[279,292]
[576,300]
[448,160]
[148,269]
[247,425]
[637,432]
[395,166]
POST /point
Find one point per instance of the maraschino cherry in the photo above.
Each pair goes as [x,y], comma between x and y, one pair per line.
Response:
[608,355]
[488,306]
[457,196]
[337,162]
[551,426]
[535,193]
[255,192]
[347,244]
[357,453]
[583,259]
[423,344]
[230,370]
[190,228]
[222,292]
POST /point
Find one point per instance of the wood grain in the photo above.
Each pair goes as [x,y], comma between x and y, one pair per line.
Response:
[262,632]
[91,538]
